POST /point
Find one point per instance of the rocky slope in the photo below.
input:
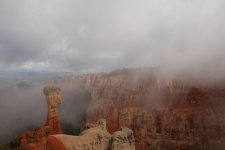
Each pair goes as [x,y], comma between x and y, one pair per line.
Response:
[164,114]
[95,136]
[37,140]
[171,114]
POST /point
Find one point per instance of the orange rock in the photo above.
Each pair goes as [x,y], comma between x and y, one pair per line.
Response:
[54,100]
[55,144]
[37,140]
[163,114]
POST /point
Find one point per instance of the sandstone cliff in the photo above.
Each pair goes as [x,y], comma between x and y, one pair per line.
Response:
[37,140]
[164,114]
[175,114]
[95,137]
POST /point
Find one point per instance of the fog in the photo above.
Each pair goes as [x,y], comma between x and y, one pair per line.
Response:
[86,36]
[23,107]
[79,36]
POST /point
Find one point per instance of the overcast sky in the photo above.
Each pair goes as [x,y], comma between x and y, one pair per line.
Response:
[102,35]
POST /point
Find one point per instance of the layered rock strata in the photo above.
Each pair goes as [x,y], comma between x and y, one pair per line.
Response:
[37,140]
[164,114]
[95,137]
[54,100]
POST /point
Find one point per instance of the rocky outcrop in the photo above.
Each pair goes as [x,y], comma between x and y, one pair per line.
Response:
[37,140]
[159,113]
[34,140]
[54,100]
[189,124]
[123,139]
[95,137]
[164,114]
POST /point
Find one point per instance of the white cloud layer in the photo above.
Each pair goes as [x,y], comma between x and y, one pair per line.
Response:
[87,35]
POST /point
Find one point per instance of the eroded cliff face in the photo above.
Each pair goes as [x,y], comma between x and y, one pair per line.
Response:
[160,113]
[94,137]
[164,114]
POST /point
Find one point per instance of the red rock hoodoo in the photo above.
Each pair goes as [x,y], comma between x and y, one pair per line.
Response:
[54,100]
[37,140]
[163,114]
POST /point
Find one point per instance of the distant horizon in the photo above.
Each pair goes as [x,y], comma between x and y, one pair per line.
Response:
[91,36]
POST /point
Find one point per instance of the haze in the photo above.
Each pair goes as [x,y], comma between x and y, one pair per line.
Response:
[52,37]
[85,36]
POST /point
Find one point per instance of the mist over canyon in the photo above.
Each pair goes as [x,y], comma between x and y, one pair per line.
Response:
[23,105]
[134,98]
[155,67]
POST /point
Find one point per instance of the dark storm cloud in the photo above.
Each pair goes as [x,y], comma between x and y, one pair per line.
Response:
[95,35]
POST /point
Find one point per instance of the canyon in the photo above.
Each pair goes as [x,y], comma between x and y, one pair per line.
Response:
[161,113]
[95,136]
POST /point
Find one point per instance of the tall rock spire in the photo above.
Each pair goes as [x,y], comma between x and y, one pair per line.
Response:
[54,100]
